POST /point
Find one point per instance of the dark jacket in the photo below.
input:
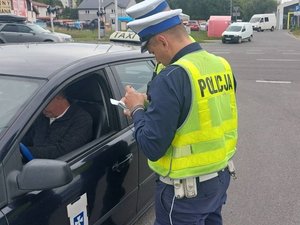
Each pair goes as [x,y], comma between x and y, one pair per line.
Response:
[71,131]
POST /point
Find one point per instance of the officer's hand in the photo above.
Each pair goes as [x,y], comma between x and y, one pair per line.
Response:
[133,98]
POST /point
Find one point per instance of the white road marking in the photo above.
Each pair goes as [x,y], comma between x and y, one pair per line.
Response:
[291,53]
[221,52]
[280,60]
[274,81]
[255,53]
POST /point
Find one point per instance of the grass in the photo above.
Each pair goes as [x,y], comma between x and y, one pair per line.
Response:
[201,36]
[83,35]
[92,35]
[296,32]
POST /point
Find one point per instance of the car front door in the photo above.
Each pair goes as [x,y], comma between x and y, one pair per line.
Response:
[138,75]
[18,33]
[104,188]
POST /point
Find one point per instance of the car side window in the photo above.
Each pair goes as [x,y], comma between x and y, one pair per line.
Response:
[75,116]
[24,29]
[136,74]
[10,28]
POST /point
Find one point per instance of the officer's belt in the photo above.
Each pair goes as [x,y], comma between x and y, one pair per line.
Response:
[202,178]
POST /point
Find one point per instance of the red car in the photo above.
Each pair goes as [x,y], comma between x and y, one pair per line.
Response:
[194,25]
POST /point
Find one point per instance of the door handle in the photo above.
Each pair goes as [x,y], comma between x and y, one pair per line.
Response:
[118,166]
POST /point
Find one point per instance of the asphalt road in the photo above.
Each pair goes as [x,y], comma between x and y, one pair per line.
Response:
[267,191]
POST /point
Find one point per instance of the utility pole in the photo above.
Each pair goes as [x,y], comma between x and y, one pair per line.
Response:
[231,10]
[99,20]
[116,18]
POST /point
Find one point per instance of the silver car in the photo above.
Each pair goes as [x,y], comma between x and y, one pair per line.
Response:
[15,32]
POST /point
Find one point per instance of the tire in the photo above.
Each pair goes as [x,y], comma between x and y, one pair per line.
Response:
[259,29]
[272,28]
[240,40]
[250,38]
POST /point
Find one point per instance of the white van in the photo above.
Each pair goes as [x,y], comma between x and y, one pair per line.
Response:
[261,22]
[237,32]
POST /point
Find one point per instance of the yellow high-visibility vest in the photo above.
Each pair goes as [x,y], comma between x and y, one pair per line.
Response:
[207,138]
[159,66]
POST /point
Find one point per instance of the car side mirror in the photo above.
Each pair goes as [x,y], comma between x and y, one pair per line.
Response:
[41,174]
[243,30]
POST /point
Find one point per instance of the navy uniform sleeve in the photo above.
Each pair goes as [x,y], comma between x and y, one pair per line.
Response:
[170,94]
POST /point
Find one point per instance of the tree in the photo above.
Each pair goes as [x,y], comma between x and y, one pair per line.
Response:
[203,9]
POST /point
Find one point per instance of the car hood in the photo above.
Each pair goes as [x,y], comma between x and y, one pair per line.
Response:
[62,35]
[231,33]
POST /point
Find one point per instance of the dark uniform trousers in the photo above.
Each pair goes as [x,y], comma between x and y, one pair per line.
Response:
[204,209]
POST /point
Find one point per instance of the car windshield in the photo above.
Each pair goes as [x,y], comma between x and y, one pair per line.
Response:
[14,92]
[38,29]
[254,20]
[234,28]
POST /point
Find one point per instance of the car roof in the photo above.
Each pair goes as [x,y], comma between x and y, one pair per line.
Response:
[43,59]
[240,23]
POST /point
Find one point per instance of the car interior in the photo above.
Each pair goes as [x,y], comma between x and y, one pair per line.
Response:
[87,93]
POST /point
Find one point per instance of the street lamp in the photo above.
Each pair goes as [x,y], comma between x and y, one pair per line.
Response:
[99,14]
[231,10]
[116,18]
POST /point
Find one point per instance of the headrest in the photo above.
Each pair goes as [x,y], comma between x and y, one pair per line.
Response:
[147,8]
[150,26]
[84,90]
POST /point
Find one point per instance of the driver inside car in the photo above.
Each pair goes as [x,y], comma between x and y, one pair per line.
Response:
[61,128]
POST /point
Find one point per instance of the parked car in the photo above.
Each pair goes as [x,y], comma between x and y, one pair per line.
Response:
[261,22]
[238,32]
[194,25]
[203,26]
[106,181]
[14,29]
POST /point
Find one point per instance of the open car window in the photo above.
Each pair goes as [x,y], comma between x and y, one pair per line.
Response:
[85,120]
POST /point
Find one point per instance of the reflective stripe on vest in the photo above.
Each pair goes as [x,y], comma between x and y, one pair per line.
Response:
[207,139]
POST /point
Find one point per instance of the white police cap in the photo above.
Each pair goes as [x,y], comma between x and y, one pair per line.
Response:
[147,8]
[150,26]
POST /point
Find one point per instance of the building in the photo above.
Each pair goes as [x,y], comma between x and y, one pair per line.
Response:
[285,11]
[88,10]
[24,8]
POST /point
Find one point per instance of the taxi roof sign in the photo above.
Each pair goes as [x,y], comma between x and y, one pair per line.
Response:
[125,36]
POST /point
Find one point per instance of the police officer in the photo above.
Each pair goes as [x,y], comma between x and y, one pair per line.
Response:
[189,131]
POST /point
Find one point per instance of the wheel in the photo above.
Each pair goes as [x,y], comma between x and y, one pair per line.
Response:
[259,29]
[240,40]
[250,38]
[272,28]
